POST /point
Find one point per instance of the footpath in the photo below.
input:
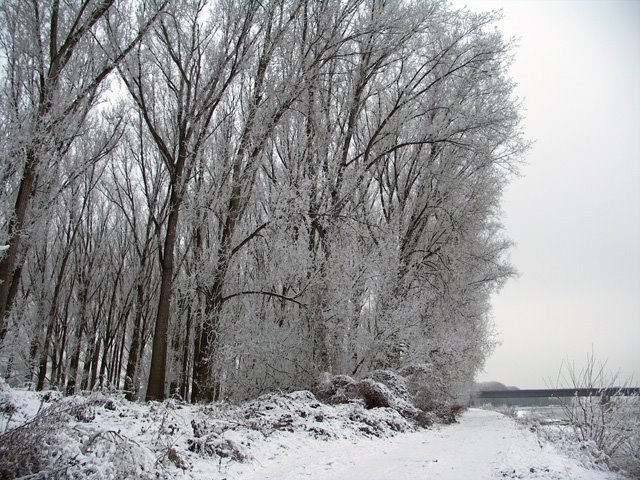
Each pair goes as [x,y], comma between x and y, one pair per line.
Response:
[483,445]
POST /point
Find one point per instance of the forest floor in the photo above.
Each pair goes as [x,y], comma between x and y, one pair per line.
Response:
[277,436]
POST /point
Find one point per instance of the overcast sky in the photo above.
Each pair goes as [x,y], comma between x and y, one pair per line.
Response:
[575,212]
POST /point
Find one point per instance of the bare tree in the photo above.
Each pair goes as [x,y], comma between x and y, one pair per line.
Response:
[56,65]
[177,79]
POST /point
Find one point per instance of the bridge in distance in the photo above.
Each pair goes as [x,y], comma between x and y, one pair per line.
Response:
[557,393]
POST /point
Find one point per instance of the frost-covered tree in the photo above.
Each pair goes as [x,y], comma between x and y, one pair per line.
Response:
[56,59]
[377,210]
[293,187]
[178,78]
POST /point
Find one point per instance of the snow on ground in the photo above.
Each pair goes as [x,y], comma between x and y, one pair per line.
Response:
[278,436]
[483,445]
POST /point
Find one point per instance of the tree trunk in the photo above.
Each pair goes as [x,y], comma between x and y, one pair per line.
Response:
[119,360]
[44,354]
[158,370]
[184,377]
[95,356]
[75,361]
[8,275]
[33,353]
[88,357]
[134,349]
[203,388]
[9,371]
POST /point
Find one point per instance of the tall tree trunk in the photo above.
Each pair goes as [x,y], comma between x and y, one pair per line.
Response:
[203,388]
[184,376]
[60,370]
[44,354]
[106,350]
[75,360]
[130,385]
[8,274]
[33,353]
[118,367]
[95,356]
[158,370]
[88,358]
[9,371]
[203,385]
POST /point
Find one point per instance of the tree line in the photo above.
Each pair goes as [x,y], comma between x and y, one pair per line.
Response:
[214,199]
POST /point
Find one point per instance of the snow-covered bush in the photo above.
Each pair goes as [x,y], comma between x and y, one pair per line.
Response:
[387,389]
[393,381]
[608,422]
[8,404]
[607,430]
[213,445]
[375,394]
[102,435]
[427,391]
[602,431]
[301,411]
[628,455]
[336,389]
[62,441]
[376,390]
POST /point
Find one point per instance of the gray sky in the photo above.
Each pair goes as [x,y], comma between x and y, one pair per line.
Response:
[575,213]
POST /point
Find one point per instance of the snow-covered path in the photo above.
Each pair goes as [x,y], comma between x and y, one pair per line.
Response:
[483,445]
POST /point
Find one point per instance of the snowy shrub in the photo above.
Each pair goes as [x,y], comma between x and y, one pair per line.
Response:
[8,405]
[178,459]
[401,399]
[32,447]
[393,381]
[447,412]
[425,389]
[429,393]
[274,405]
[301,411]
[378,422]
[50,396]
[213,445]
[610,422]
[103,437]
[336,389]
[62,442]
[4,387]
[628,456]
[341,389]
[602,432]
[378,389]
[107,454]
[375,395]
[290,412]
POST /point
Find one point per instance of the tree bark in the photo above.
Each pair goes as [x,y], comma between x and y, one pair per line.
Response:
[16,224]
[157,372]
[75,361]
[184,377]
[203,388]
[134,349]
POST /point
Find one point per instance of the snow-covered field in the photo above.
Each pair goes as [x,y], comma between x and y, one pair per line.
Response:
[278,436]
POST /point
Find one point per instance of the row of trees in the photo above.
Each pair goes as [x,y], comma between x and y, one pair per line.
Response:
[218,198]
